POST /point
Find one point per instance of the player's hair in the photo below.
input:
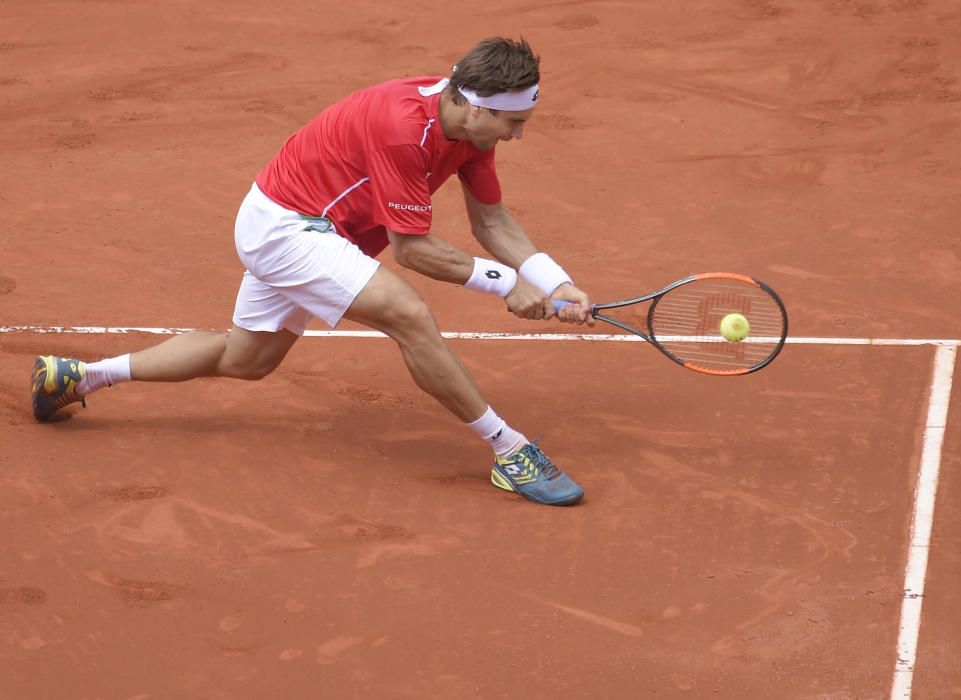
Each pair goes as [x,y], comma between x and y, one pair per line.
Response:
[493,66]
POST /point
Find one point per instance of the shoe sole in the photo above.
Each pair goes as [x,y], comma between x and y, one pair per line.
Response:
[43,384]
[38,385]
[41,370]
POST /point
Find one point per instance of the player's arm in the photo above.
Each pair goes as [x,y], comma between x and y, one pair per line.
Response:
[502,236]
[436,258]
[498,232]
[431,256]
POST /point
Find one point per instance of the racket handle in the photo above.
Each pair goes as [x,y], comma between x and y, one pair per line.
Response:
[560,304]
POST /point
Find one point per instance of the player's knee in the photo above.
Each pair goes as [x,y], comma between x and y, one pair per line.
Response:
[253,356]
[243,371]
[259,371]
[411,318]
[252,368]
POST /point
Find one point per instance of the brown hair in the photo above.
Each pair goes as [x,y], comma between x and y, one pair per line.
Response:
[493,66]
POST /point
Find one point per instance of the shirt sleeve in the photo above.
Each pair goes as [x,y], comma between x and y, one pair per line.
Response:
[400,195]
[479,176]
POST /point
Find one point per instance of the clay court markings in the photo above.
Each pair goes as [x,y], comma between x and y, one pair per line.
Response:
[929,468]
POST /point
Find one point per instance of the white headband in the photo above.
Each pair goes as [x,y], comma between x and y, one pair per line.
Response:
[505,101]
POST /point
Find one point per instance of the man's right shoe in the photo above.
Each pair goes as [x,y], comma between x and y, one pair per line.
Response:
[534,476]
[54,384]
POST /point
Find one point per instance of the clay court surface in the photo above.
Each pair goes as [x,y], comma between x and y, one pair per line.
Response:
[330,532]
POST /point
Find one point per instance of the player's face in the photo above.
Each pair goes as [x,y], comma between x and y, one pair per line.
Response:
[486,127]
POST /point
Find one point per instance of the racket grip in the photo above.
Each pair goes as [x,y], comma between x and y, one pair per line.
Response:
[561,303]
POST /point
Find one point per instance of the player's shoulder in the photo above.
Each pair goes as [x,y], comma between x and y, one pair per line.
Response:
[404,90]
[401,112]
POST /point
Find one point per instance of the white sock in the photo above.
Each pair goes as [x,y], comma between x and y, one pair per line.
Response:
[503,438]
[97,375]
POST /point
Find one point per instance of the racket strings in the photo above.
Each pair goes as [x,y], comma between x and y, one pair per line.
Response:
[686,322]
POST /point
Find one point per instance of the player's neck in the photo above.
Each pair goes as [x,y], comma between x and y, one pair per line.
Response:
[451,117]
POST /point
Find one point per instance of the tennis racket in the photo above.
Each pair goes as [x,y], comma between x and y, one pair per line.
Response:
[683,321]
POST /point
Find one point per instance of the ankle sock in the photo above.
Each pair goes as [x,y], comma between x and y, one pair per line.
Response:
[502,438]
[98,375]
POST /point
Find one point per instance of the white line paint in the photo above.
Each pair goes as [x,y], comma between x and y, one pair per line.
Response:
[922,520]
[93,330]
[477,335]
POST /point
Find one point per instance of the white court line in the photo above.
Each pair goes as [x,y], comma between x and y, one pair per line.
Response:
[922,520]
[477,335]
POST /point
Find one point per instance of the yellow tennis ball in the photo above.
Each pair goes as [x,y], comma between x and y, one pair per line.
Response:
[734,327]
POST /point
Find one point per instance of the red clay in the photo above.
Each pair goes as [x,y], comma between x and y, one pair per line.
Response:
[330,532]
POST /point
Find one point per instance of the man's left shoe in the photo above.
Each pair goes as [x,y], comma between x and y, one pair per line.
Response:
[534,476]
[54,384]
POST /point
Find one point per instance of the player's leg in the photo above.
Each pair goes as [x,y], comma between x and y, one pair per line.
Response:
[390,305]
[238,353]
[266,325]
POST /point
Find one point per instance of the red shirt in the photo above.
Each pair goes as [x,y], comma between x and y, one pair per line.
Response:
[371,162]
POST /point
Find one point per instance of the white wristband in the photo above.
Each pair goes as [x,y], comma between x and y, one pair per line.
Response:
[492,277]
[545,274]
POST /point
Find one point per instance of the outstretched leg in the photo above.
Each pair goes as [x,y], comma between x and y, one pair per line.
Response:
[392,306]
[242,354]
[238,353]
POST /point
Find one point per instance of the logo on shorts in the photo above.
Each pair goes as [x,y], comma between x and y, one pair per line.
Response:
[320,224]
[409,207]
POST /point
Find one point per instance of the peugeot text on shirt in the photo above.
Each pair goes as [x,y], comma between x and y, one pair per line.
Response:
[410,207]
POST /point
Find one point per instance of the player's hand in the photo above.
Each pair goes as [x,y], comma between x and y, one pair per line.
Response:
[527,301]
[579,310]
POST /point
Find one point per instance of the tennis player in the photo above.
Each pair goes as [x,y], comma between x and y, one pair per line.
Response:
[355,179]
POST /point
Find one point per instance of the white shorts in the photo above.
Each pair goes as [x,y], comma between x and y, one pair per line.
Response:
[297,267]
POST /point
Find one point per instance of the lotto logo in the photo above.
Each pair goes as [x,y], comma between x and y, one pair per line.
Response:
[512,469]
[493,274]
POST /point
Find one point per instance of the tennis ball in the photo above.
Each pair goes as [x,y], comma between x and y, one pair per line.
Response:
[734,327]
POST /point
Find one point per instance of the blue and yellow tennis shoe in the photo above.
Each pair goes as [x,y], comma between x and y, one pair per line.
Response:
[54,384]
[534,476]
